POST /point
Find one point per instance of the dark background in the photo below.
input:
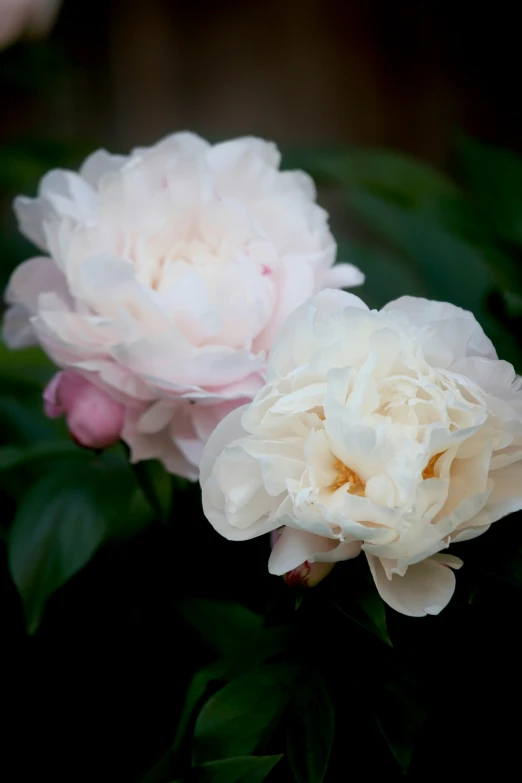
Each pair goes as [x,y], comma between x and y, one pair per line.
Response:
[403,75]
[95,694]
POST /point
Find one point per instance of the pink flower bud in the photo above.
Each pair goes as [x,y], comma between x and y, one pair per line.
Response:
[305,575]
[94,418]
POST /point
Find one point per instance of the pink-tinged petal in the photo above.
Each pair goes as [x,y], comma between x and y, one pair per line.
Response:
[180,144]
[207,417]
[98,164]
[156,445]
[232,153]
[13,19]
[52,405]
[122,384]
[425,588]
[17,330]
[342,276]
[61,194]
[308,574]
[168,360]
[94,418]
[27,284]
[26,18]
[294,282]
[35,277]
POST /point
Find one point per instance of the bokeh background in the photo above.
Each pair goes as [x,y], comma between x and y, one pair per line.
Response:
[95,693]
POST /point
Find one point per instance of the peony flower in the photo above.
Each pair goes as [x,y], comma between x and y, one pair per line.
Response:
[395,433]
[31,18]
[167,274]
[94,418]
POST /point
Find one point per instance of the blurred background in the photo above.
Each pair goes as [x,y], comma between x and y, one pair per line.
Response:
[407,114]
[404,75]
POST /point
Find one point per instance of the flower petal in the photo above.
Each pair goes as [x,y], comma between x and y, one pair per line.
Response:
[425,588]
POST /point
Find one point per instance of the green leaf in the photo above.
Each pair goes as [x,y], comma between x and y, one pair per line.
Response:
[223,625]
[261,646]
[242,769]
[310,730]
[157,486]
[400,717]
[455,271]
[59,525]
[366,608]
[396,177]
[494,177]
[235,720]
[196,690]
[249,655]
[30,366]
[388,275]
[15,456]
[21,423]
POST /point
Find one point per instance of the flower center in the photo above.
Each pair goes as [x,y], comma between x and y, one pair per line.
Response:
[346,475]
[429,470]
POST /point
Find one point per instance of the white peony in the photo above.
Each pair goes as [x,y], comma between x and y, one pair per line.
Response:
[395,432]
[166,275]
[31,18]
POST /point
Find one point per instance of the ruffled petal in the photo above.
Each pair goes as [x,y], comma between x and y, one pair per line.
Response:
[425,588]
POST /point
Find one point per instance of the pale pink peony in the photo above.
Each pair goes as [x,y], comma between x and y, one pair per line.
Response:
[26,18]
[94,418]
[168,274]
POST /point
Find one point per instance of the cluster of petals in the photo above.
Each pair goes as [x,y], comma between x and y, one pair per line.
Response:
[164,277]
[394,433]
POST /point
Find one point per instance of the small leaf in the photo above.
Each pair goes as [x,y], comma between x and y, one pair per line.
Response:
[365,607]
[388,275]
[242,769]
[400,717]
[397,177]
[494,176]
[21,423]
[310,730]
[14,456]
[454,269]
[223,625]
[235,719]
[156,485]
[59,525]
[29,366]
[261,646]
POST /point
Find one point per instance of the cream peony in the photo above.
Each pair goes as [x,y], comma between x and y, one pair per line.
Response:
[395,432]
[32,18]
[168,273]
